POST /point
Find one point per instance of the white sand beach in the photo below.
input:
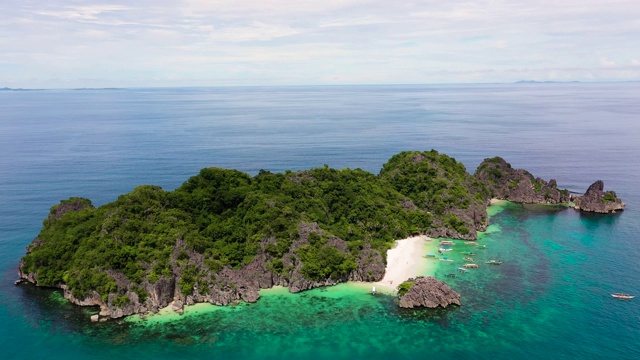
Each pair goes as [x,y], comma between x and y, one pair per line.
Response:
[404,261]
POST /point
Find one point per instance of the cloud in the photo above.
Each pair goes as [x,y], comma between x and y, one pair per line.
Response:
[356,21]
[81,12]
[255,31]
[607,63]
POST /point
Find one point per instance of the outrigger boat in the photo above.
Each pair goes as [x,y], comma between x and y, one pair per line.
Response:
[447,242]
[493,262]
[468,259]
[471,266]
[444,258]
[431,256]
[443,249]
[462,270]
[622,296]
[470,253]
[451,275]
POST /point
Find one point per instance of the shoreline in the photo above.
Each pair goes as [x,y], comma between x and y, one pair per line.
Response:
[404,261]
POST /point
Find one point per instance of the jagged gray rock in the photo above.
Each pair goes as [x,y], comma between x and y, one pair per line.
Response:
[227,285]
[518,185]
[595,199]
[428,292]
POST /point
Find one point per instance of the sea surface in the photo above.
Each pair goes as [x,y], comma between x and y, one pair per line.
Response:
[550,299]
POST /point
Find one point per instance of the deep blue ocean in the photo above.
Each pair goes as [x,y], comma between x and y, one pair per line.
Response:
[549,300]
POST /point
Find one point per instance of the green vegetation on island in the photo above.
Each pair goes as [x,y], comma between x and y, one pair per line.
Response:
[404,287]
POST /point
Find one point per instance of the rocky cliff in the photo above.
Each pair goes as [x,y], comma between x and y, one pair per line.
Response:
[518,185]
[223,287]
[427,292]
[595,199]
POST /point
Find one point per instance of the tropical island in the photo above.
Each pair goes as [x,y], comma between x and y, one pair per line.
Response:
[224,235]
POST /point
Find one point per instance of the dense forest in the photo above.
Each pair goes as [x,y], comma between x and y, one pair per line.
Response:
[224,234]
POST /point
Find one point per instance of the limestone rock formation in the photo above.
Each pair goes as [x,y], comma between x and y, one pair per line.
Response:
[228,285]
[428,292]
[597,200]
[518,185]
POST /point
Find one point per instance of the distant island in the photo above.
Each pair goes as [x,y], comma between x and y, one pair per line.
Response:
[546,82]
[18,89]
[223,235]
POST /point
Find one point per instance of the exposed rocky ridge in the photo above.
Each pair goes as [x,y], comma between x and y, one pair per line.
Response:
[595,199]
[518,185]
[474,218]
[73,204]
[428,292]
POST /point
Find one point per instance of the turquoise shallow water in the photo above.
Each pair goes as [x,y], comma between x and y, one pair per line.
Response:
[549,299]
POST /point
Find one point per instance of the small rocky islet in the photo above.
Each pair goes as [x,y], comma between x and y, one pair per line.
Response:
[426,291]
[224,235]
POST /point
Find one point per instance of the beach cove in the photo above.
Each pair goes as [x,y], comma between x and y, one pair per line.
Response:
[407,259]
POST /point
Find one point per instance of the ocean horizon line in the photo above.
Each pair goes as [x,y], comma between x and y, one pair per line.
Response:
[515,82]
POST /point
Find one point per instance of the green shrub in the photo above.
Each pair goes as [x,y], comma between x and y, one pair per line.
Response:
[404,287]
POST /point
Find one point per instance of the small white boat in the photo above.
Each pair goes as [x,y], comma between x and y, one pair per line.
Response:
[373,290]
[444,258]
[447,242]
[622,296]
[443,249]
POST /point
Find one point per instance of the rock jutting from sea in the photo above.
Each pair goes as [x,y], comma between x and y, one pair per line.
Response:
[426,292]
[595,199]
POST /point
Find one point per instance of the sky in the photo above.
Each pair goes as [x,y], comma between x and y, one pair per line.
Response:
[149,43]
